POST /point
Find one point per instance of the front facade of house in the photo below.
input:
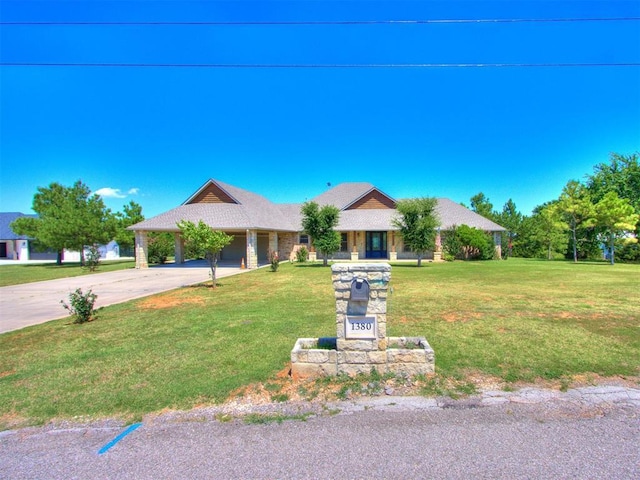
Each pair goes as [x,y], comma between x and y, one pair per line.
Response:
[260,226]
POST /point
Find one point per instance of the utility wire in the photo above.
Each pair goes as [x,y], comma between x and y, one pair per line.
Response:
[340,22]
[318,66]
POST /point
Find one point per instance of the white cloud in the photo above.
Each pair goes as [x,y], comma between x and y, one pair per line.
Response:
[108,192]
[133,191]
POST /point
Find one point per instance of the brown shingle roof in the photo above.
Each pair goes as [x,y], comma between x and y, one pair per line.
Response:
[254,211]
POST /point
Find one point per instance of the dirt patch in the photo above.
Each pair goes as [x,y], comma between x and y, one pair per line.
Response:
[170,300]
[462,317]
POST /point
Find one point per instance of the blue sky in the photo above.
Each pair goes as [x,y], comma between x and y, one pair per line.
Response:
[156,134]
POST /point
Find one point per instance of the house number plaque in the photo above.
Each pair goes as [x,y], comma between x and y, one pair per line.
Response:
[361,327]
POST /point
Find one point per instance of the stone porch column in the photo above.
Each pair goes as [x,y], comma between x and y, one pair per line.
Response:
[179,248]
[252,249]
[497,242]
[273,242]
[142,250]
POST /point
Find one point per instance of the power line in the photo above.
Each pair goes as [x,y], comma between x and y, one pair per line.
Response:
[338,22]
[320,66]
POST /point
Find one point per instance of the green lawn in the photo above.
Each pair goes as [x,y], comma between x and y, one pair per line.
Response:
[517,320]
[36,272]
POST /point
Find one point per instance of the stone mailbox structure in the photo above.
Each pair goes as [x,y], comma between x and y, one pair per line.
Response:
[361,343]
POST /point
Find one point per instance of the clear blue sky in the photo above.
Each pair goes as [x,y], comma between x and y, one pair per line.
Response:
[156,134]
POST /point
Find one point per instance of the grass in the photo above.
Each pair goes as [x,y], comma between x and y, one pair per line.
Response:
[517,320]
[37,272]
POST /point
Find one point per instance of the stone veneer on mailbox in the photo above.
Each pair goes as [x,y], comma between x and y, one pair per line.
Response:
[362,350]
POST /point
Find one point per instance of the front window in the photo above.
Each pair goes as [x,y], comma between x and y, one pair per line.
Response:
[304,239]
[344,242]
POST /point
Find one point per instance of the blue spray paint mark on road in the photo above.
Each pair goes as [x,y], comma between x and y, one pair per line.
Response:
[119,437]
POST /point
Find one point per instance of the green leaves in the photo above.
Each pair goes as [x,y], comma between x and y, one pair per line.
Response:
[205,242]
[319,223]
[417,224]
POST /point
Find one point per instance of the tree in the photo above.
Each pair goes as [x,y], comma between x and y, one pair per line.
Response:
[621,175]
[205,241]
[130,215]
[482,206]
[550,228]
[577,210]
[417,224]
[511,219]
[616,217]
[319,223]
[68,217]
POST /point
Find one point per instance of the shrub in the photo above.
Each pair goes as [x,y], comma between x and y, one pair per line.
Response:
[630,253]
[92,260]
[302,254]
[81,305]
[468,243]
[274,259]
[161,246]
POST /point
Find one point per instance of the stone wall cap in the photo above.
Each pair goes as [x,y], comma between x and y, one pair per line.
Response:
[358,267]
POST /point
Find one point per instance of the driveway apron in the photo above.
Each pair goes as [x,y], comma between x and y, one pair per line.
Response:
[39,302]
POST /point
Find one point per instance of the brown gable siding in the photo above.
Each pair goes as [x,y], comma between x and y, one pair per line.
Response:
[212,194]
[373,200]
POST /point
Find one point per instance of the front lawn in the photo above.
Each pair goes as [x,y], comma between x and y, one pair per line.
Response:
[515,320]
[36,272]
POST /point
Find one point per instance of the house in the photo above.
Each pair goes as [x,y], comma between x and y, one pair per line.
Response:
[20,247]
[12,245]
[260,226]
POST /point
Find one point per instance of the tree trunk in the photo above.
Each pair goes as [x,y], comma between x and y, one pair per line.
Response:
[59,258]
[612,247]
[213,263]
[575,247]
[549,252]
[325,260]
[419,260]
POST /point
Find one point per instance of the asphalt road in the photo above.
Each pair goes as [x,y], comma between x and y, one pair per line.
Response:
[557,436]
[39,302]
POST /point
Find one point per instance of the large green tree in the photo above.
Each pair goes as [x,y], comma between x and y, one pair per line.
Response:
[482,206]
[616,217]
[550,229]
[417,224]
[511,219]
[578,211]
[319,223]
[130,215]
[205,242]
[68,217]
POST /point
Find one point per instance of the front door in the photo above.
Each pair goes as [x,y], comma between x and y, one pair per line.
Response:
[376,245]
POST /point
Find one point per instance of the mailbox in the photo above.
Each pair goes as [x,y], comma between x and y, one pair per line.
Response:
[359,290]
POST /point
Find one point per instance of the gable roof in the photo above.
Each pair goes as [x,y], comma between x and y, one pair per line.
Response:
[5,221]
[347,194]
[242,210]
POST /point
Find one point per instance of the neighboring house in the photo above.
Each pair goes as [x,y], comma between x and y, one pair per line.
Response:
[12,245]
[260,226]
[20,247]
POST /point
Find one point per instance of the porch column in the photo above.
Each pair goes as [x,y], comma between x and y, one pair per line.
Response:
[354,249]
[393,255]
[252,249]
[437,254]
[179,247]
[142,249]
[497,243]
[273,243]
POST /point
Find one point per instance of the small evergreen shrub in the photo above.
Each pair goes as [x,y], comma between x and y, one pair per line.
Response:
[81,305]
[161,246]
[92,260]
[302,254]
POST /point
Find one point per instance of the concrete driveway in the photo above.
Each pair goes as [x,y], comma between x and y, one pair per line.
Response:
[39,302]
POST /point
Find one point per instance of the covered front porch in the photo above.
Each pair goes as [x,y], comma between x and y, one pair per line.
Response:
[249,248]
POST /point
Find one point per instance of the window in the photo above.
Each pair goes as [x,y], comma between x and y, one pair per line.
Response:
[344,242]
[304,239]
